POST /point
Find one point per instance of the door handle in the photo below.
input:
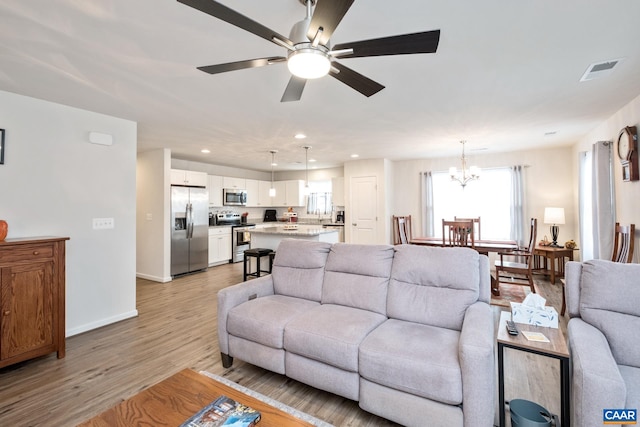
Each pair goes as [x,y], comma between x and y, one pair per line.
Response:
[354,224]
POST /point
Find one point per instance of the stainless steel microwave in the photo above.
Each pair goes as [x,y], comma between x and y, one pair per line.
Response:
[234,197]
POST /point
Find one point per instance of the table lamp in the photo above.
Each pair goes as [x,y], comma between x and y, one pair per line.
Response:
[554,216]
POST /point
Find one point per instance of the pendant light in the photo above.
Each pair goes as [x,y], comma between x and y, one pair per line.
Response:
[306,170]
[467,174]
[272,190]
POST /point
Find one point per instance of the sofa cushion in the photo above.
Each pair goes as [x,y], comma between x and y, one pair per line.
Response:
[631,377]
[262,320]
[358,276]
[433,286]
[331,334]
[414,358]
[298,269]
[609,295]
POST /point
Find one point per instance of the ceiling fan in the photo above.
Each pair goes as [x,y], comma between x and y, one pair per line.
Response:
[309,53]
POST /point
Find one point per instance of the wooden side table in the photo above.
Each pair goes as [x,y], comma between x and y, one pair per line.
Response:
[556,348]
[551,253]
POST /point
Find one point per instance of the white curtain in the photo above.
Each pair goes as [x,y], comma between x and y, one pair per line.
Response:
[603,202]
[517,205]
[585,200]
[427,204]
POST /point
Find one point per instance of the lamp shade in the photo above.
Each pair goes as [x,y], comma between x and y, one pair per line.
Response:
[554,215]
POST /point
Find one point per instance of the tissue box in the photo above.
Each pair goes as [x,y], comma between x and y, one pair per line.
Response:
[543,316]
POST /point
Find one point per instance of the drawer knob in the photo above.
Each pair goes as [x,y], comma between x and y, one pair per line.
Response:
[36,252]
[7,312]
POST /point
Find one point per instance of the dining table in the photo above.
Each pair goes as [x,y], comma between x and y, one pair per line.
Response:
[482,246]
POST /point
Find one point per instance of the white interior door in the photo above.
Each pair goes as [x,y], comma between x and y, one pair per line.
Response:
[364,202]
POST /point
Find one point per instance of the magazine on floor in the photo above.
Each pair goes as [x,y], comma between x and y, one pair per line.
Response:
[224,411]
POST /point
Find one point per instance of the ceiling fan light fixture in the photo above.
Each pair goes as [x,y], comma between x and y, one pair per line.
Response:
[308,63]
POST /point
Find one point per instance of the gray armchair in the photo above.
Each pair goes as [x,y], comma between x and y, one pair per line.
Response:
[603,299]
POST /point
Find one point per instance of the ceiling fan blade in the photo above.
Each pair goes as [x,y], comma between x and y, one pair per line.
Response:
[294,89]
[327,15]
[424,42]
[357,81]
[222,12]
[241,65]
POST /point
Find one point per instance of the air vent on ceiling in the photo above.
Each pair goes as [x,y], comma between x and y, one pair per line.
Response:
[600,69]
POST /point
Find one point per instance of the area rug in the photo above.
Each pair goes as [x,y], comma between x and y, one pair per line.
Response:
[511,293]
[281,406]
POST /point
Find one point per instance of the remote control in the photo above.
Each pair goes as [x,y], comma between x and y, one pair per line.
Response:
[512,328]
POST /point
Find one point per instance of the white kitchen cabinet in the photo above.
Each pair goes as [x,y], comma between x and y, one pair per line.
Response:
[253,190]
[280,198]
[337,191]
[219,245]
[264,200]
[237,183]
[295,193]
[190,178]
[289,193]
[215,190]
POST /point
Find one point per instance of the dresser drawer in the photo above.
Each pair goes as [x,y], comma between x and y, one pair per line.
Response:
[25,253]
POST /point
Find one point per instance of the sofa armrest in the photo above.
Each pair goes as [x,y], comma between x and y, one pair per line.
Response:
[476,353]
[235,295]
[596,383]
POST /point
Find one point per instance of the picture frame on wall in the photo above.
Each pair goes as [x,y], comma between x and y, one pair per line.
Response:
[1,146]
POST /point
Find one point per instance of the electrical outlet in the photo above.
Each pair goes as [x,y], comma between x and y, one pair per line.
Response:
[103,223]
[149,217]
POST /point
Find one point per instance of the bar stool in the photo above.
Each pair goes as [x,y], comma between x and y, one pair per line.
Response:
[272,256]
[256,253]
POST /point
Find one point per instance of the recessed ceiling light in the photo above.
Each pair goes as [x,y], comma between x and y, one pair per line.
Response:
[205,151]
[300,136]
[312,160]
[353,156]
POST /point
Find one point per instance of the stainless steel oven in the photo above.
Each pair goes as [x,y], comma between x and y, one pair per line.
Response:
[240,240]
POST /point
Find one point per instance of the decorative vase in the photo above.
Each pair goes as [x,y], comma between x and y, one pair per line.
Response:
[4,229]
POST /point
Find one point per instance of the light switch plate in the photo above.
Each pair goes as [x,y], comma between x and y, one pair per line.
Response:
[103,223]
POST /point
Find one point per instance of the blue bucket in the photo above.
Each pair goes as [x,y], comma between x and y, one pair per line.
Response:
[529,414]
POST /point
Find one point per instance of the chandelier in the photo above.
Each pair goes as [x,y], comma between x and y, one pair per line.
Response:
[465,175]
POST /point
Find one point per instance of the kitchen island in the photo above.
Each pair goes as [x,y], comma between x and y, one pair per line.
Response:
[270,237]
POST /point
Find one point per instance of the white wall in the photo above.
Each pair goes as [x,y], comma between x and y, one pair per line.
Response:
[548,182]
[54,182]
[153,239]
[627,194]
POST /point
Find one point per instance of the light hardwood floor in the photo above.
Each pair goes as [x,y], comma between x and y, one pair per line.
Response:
[175,329]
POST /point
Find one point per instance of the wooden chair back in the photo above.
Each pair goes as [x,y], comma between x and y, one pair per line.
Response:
[476,224]
[401,230]
[532,235]
[623,243]
[458,233]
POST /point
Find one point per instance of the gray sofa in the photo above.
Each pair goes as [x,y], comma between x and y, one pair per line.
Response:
[406,331]
[603,300]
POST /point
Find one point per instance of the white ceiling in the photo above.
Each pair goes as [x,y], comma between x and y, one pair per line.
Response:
[505,74]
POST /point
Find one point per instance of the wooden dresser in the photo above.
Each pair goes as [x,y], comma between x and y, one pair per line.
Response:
[32,298]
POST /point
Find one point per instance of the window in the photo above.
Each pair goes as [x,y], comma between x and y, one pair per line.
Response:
[488,198]
[319,199]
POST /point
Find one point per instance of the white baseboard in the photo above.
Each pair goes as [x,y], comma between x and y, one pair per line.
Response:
[154,278]
[100,323]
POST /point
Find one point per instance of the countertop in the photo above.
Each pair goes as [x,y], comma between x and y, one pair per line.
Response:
[308,230]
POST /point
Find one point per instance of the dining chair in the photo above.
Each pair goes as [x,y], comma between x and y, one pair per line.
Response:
[623,243]
[519,271]
[476,226]
[458,233]
[401,230]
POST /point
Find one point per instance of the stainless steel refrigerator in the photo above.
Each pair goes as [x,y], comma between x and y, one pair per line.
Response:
[189,229]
